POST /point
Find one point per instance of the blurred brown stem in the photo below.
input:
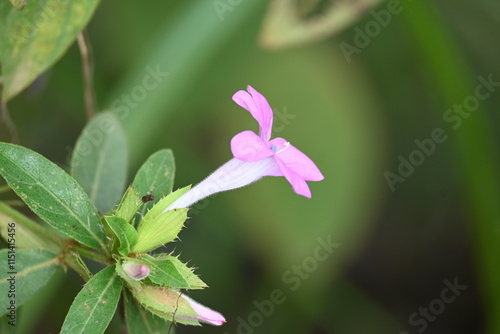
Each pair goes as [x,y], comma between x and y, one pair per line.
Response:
[87,69]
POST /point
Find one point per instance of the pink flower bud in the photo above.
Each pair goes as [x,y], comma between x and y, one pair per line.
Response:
[136,271]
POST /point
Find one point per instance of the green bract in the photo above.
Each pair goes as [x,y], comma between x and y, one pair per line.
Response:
[158,227]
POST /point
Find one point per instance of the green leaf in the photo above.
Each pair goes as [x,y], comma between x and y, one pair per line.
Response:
[52,194]
[30,268]
[33,39]
[126,233]
[129,205]
[18,4]
[25,237]
[141,321]
[167,270]
[95,304]
[99,161]
[156,175]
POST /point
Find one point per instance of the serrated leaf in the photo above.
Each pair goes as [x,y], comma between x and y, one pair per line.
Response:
[141,321]
[166,274]
[95,305]
[158,227]
[30,268]
[99,161]
[25,238]
[167,270]
[52,194]
[34,38]
[165,303]
[159,230]
[162,205]
[129,205]
[126,233]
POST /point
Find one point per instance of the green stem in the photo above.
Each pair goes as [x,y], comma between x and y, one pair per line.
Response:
[73,264]
[91,254]
[30,224]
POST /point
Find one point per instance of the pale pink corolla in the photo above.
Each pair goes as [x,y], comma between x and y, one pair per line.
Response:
[294,165]
[205,314]
[255,156]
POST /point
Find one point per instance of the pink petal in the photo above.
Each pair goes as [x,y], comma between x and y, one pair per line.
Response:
[247,146]
[204,313]
[258,106]
[296,160]
[299,185]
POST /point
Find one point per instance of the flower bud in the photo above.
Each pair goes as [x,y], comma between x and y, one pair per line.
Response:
[134,270]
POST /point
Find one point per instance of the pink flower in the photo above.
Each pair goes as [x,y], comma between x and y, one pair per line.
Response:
[255,157]
[294,165]
[205,314]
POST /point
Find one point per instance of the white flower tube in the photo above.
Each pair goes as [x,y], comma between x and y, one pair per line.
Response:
[233,174]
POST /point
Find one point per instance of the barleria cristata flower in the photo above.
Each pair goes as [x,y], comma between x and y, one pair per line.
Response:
[255,156]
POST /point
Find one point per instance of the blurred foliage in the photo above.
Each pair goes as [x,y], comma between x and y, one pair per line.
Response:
[354,119]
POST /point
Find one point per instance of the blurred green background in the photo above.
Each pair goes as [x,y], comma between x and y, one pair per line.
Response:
[353,118]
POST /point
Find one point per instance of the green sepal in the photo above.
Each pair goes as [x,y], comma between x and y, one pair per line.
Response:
[129,205]
[167,270]
[139,320]
[158,227]
[162,204]
[124,232]
[165,303]
[160,230]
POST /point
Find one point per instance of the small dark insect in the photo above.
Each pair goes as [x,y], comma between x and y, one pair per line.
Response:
[148,198]
[75,227]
